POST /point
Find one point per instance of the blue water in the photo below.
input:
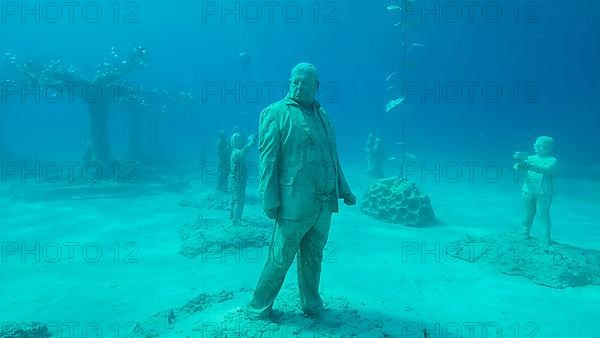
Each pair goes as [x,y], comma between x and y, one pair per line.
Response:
[553,47]
[543,56]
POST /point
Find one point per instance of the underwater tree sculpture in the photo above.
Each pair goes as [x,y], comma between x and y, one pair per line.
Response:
[104,85]
[6,82]
[149,104]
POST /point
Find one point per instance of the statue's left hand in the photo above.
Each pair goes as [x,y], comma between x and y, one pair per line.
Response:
[350,199]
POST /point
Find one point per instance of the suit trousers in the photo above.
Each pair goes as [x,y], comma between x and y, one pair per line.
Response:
[238,201]
[306,239]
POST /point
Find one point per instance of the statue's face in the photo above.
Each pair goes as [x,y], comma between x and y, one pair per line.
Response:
[237,141]
[542,146]
[303,86]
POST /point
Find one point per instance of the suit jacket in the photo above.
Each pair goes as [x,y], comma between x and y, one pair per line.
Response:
[284,146]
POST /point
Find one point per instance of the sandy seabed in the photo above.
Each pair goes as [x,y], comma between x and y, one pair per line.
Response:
[120,266]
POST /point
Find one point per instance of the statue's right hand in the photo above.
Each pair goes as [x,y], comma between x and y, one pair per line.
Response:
[521,155]
[272,213]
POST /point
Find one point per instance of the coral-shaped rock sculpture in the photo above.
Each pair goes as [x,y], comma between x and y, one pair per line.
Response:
[398,200]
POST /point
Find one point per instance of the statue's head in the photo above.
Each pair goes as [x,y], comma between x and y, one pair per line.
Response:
[237,141]
[221,137]
[543,145]
[304,83]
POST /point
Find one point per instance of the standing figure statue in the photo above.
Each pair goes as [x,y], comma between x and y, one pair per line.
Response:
[238,176]
[368,149]
[202,155]
[375,156]
[223,159]
[538,185]
[301,180]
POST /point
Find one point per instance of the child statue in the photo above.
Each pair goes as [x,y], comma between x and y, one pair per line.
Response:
[375,156]
[538,185]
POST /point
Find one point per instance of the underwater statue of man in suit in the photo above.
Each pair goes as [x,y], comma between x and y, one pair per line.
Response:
[301,181]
